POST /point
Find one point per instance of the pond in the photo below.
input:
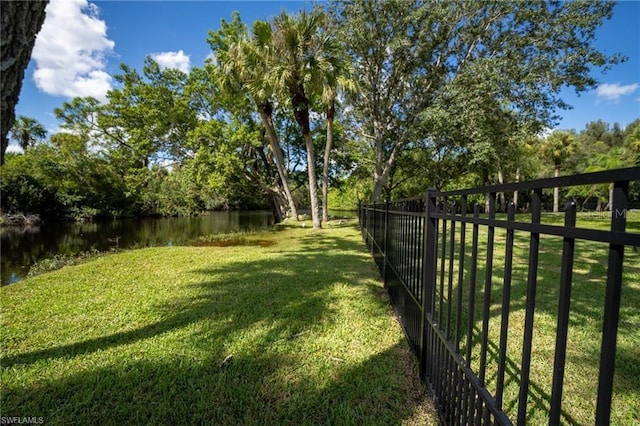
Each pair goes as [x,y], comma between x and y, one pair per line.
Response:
[21,247]
[24,246]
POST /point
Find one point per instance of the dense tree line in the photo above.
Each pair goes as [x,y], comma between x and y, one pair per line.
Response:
[599,146]
[363,100]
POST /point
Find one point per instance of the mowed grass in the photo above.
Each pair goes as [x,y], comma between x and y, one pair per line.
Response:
[295,332]
[585,321]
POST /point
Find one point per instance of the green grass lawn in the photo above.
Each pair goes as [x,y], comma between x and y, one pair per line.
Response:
[585,323]
[294,331]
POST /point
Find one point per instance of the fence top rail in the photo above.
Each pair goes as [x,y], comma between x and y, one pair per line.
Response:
[607,176]
[403,200]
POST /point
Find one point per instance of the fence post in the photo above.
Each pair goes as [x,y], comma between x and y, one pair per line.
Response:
[374,225]
[365,224]
[619,206]
[428,275]
[566,276]
[532,280]
[385,246]
[365,221]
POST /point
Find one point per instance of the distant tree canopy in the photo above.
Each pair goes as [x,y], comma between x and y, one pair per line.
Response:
[463,78]
[398,96]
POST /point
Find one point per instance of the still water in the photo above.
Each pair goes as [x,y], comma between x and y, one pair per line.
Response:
[23,246]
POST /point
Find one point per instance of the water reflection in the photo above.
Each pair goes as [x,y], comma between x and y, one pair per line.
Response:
[23,246]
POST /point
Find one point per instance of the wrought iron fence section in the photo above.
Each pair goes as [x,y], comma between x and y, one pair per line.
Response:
[440,272]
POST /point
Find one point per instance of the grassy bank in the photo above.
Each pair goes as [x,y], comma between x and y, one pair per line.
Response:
[297,331]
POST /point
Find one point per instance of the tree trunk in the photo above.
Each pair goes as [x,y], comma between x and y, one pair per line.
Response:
[487,196]
[556,192]
[300,103]
[275,207]
[503,205]
[378,186]
[267,120]
[382,171]
[21,22]
[274,187]
[313,182]
[515,193]
[325,167]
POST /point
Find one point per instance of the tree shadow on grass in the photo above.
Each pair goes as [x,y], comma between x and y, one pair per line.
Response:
[263,317]
[292,282]
[249,390]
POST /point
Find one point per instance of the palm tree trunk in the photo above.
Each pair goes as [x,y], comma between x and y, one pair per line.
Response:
[325,168]
[267,120]
[21,22]
[300,103]
[313,181]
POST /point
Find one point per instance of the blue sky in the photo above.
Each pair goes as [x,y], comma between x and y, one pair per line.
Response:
[83,43]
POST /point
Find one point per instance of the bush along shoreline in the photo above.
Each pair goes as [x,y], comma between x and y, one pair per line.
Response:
[20,219]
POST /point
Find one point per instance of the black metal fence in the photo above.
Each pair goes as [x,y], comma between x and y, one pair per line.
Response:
[449,270]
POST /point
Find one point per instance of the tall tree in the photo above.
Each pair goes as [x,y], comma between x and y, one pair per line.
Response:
[21,22]
[600,131]
[151,112]
[613,158]
[632,140]
[231,152]
[557,148]
[336,79]
[27,131]
[85,117]
[303,59]
[243,63]
[412,59]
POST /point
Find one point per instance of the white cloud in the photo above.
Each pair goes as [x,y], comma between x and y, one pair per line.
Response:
[173,60]
[613,92]
[70,51]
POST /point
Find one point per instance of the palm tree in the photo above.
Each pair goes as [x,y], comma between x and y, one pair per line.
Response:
[27,131]
[330,114]
[557,148]
[243,65]
[302,62]
[335,67]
